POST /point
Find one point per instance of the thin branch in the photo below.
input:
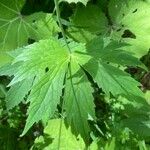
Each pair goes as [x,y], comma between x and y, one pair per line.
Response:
[60,23]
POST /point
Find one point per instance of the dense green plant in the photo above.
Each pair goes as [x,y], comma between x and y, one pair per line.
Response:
[76,66]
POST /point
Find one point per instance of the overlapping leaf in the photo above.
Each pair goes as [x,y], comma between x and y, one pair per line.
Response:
[109,78]
[16,29]
[78,100]
[87,22]
[61,137]
[49,62]
[111,51]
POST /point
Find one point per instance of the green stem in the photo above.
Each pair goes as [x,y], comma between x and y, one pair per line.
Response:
[60,23]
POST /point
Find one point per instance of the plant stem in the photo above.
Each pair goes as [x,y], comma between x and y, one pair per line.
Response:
[60,24]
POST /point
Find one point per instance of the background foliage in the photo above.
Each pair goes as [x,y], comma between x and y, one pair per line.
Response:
[74,74]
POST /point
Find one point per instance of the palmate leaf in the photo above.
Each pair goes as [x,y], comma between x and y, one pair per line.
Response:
[54,68]
[130,22]
[44,95]
[47,61]
[16,29]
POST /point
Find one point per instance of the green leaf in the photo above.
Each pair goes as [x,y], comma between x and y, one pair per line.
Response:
[9,69]
[114,80]
[49,72]
[17,93]
[80,35]
[16,29]
[34,60]
[130,20]
[90,18]
[139,124]
[111,51]
[8,138]
[47,62]
[111,145]
[57,136]
[109,78]
[54,68]
[45,96]
[78,99]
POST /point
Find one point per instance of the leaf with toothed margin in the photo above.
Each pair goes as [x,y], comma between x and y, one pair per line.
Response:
[17,92]
[55,69]
[113,80]
[79,101]
[110,78]
[48,68]
[45,96]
